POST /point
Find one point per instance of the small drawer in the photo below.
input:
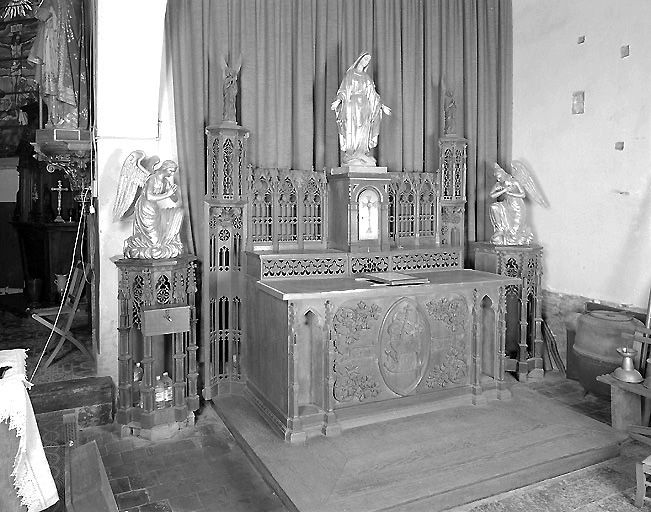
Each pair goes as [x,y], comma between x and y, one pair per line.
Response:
[165,320]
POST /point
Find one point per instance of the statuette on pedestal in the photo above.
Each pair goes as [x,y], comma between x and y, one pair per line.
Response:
[449,114]
[147,190]
[230,90]
[508,213]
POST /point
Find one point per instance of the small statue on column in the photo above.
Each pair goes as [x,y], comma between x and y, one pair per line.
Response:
[230,90]
[449,114]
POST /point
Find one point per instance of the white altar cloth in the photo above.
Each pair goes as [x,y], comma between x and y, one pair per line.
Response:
[32,476]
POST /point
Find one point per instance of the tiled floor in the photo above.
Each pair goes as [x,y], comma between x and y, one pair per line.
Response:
[203,469]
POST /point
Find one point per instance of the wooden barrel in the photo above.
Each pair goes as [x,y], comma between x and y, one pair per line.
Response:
[598,336]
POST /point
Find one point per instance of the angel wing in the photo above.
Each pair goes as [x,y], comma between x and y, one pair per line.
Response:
[520,172]
[132,178]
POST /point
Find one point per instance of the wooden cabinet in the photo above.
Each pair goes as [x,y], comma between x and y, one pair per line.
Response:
[46,249]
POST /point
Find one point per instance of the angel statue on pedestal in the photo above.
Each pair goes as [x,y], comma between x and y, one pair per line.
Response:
[509,215]
[147,190]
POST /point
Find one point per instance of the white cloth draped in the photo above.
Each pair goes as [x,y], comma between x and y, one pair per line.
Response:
[32,477]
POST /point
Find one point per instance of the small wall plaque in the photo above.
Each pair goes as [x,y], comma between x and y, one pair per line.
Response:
[578,102]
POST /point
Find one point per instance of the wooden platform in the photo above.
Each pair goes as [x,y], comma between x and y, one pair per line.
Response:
[432,461]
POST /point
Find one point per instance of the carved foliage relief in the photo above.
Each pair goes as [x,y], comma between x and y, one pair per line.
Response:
[452,312]
[453,369]
[449,364]
[350,380]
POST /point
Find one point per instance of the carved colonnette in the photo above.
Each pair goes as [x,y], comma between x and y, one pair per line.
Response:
[316,356]
[223,256]
[452,169]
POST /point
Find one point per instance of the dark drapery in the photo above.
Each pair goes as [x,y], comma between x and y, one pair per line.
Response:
[294,54]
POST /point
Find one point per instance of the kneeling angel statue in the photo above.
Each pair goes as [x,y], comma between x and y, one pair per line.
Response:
[509,213]
[147,190]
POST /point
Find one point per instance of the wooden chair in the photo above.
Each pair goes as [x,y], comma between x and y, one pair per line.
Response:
[642,469]
[66,316]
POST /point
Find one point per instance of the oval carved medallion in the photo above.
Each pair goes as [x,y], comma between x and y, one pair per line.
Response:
[404,347]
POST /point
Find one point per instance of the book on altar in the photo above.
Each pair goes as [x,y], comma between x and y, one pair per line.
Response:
[394,278]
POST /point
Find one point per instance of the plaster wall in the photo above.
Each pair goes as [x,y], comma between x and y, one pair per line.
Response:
[597,230]
[129,55]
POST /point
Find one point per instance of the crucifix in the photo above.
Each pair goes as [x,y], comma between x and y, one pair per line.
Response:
[59,189]
[370,204]
[368,215]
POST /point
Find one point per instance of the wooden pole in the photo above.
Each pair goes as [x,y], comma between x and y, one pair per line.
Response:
[646,405]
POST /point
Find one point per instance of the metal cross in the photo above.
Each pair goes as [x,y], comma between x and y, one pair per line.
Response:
[59,189]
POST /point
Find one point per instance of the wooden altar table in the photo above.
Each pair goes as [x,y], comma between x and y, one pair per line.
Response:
[321,350]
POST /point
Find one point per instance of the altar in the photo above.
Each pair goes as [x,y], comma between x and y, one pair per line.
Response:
[324,354]
[294,315]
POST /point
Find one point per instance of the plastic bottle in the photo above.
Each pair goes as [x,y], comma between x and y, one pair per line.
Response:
[159,394]
[168,386]
[137,378]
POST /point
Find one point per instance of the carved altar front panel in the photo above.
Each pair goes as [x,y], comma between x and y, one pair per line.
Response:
[386,348]
[343,347]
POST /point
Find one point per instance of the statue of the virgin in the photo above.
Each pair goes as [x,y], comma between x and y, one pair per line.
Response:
[359,112]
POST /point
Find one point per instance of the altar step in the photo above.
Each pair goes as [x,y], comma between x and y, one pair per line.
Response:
[432,461]
[89,400]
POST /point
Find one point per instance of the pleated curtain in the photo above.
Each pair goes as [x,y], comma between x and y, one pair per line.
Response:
[294,54]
